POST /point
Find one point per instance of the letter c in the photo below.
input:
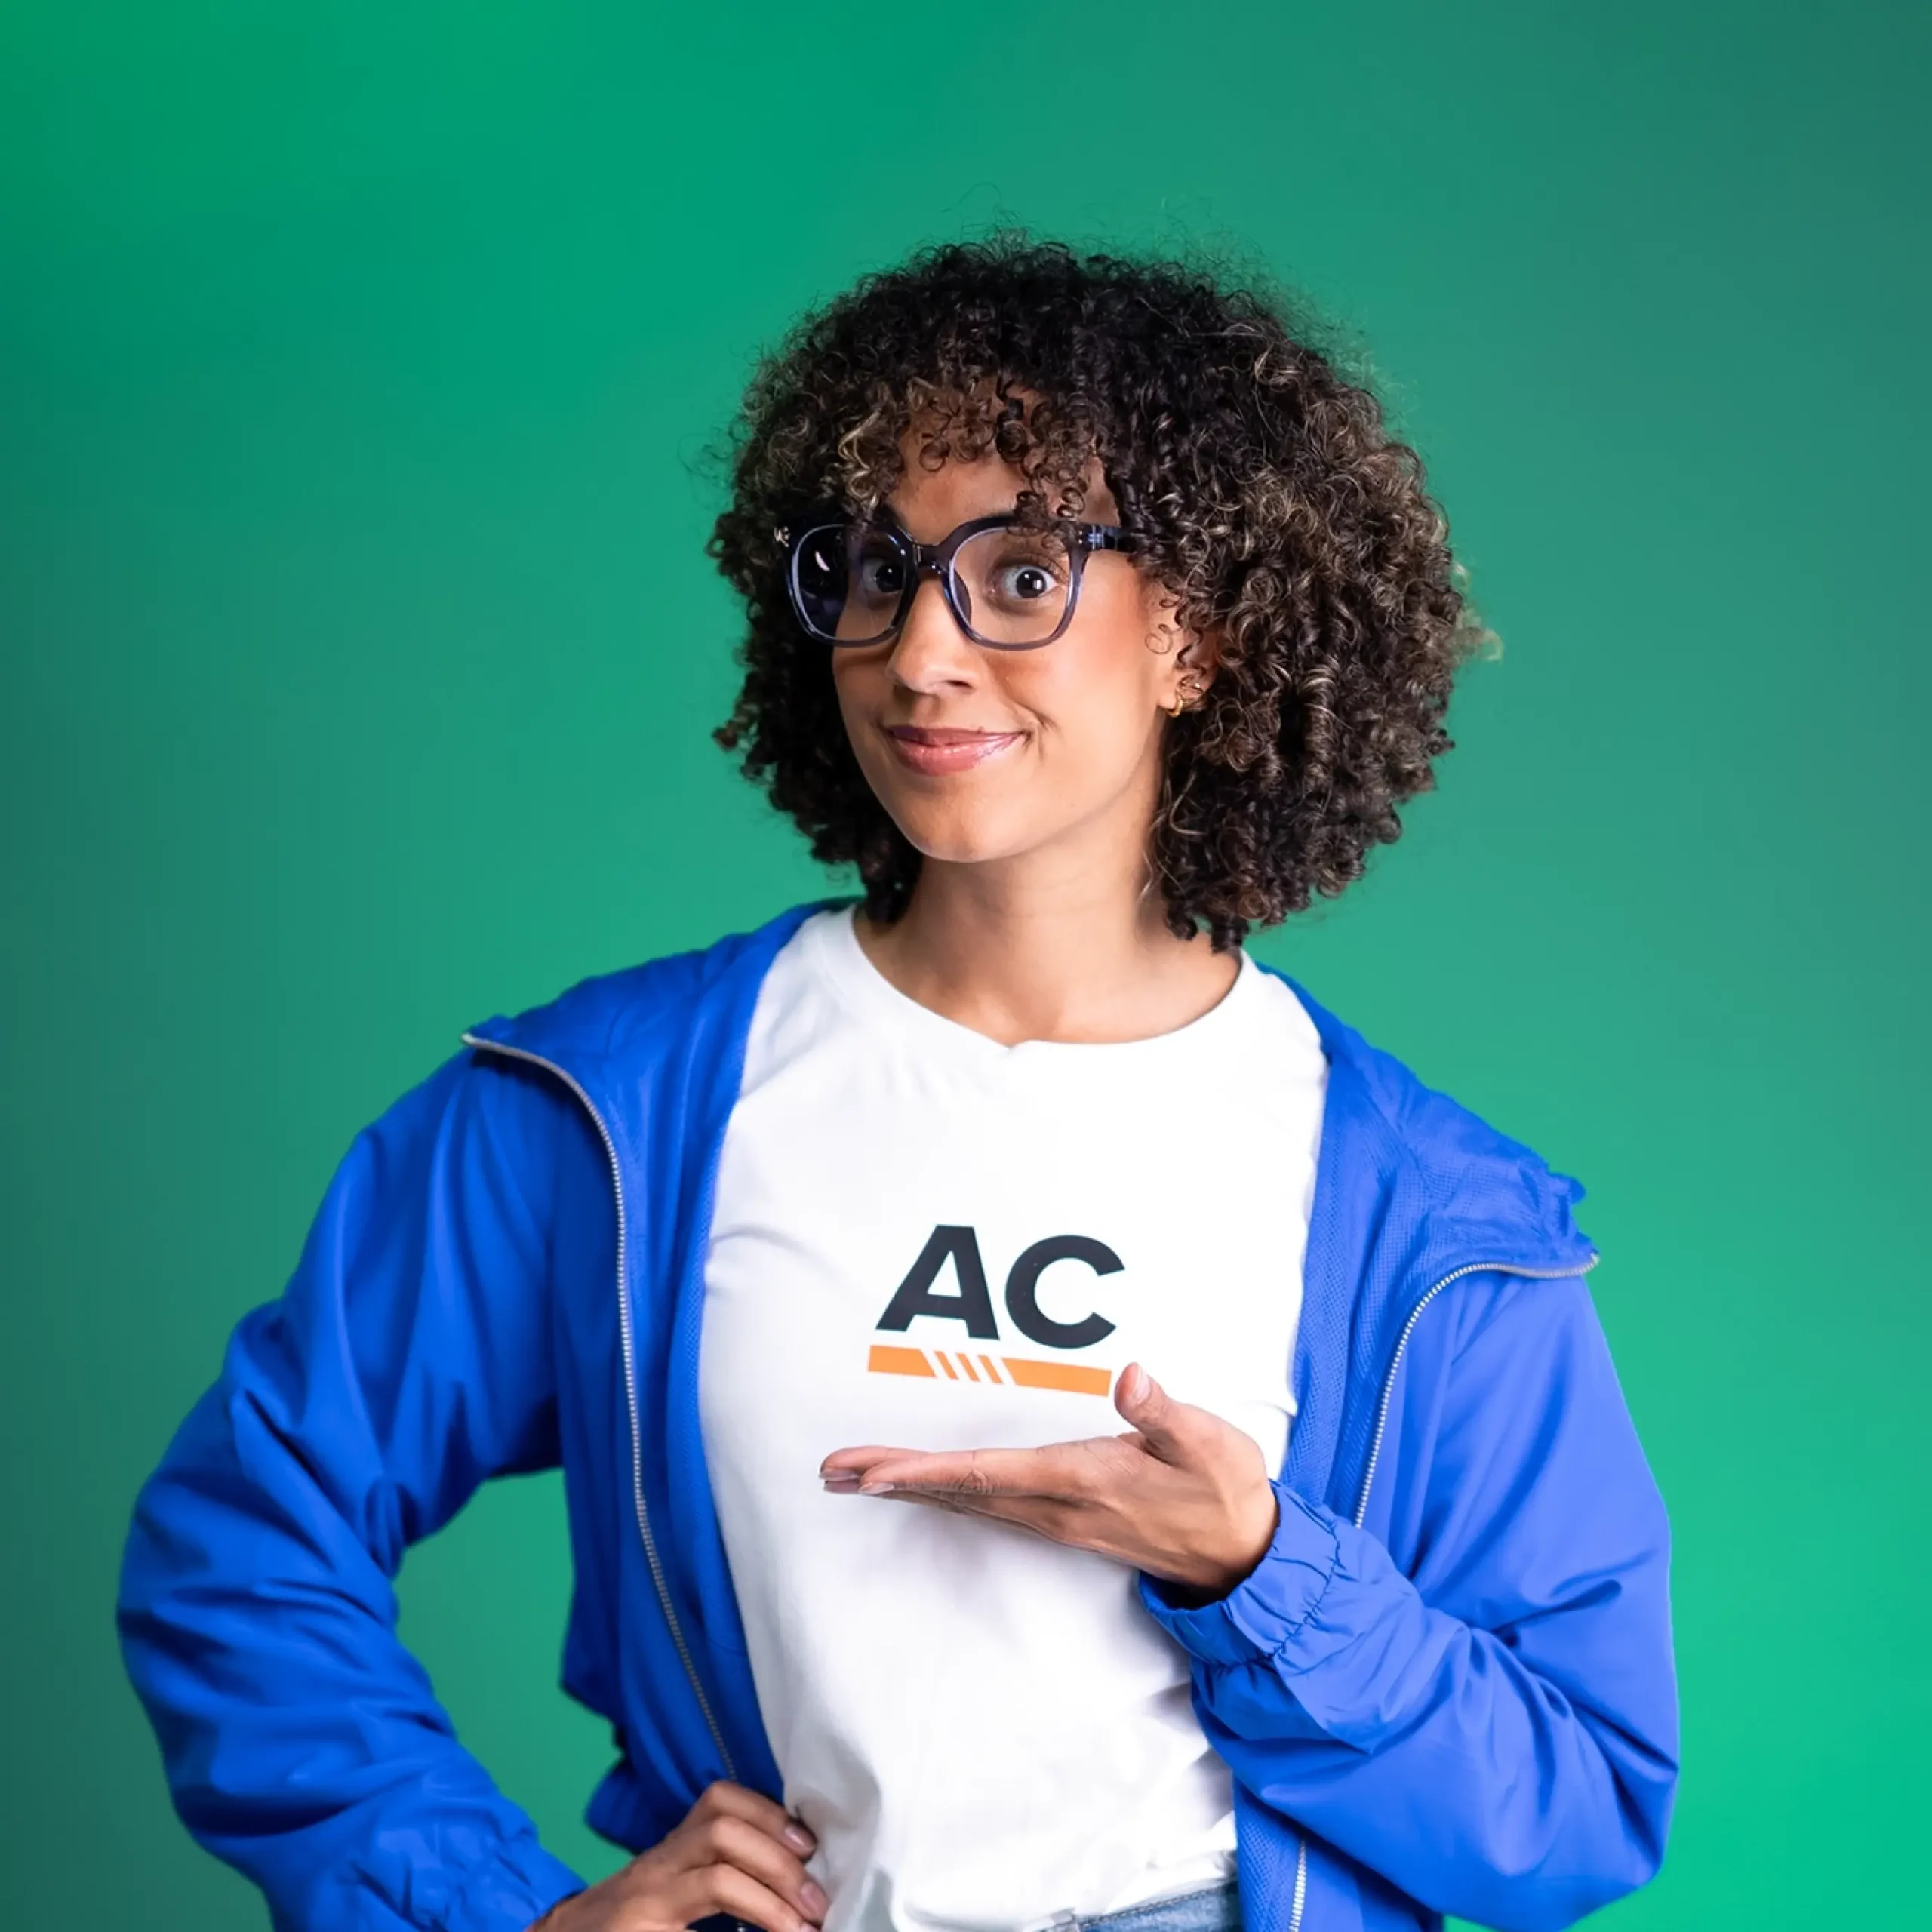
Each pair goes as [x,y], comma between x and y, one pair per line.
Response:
[1022,1286]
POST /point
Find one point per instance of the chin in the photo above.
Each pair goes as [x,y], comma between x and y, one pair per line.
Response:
[961,838]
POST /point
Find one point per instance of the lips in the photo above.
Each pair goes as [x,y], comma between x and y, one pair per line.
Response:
[938,749]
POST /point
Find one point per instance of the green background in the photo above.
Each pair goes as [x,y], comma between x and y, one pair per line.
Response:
[356,365]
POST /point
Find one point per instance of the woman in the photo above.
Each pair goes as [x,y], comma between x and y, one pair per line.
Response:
[1056,1428]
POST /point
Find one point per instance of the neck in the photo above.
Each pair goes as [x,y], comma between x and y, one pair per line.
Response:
[1048,947]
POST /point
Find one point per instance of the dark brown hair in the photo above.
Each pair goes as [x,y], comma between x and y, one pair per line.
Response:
[1270,501]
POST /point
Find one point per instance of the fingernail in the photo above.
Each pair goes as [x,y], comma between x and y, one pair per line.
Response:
[815,1899]
[840,1479]
[875,1489]
[798,1838]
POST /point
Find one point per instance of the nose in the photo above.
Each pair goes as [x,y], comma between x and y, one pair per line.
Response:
[932,654]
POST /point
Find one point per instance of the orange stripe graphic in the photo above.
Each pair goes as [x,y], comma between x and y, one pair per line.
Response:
[1068,1375]
[1024,1371]
[883,1361]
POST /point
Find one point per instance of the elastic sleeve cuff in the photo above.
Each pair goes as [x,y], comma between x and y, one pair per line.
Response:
[511,1893]
[1265,1610]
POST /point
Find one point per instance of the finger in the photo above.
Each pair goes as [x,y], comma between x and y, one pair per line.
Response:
[727,1889]
[1084,1471]
[1076,1526]
[1051,1471]
[723,1796]
[859,1455]
[1160,1420]
[1047,1516]
[736,1842]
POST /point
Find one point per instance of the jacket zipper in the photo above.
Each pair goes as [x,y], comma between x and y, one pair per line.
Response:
[1375,1457]
[626,1341]
[1402,1343]
[1300,1895]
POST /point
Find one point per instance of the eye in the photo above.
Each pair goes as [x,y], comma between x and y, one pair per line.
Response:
[1025,583]
[881,574]
[1027,570]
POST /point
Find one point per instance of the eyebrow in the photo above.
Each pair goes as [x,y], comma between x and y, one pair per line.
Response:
[885,513]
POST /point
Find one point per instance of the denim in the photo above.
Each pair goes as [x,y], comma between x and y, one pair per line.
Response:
[1212,1909]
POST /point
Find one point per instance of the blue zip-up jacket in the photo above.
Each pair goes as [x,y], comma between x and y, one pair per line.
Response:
[1447,1687]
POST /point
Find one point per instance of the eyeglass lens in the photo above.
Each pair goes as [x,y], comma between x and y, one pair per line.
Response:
[1010,584]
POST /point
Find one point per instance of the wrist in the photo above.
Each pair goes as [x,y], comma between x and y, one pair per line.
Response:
[1265,1519]
[1266,1609]
[1226,1570]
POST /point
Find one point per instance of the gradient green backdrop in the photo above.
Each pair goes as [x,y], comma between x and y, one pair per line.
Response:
[360,653]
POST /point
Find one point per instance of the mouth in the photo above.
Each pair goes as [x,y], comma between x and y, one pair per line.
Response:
[935,749]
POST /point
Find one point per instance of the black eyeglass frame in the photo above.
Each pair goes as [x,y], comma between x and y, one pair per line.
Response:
[936,560]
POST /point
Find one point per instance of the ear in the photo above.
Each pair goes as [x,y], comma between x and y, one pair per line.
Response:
[1199,658]
[1189,662]
[1186,661]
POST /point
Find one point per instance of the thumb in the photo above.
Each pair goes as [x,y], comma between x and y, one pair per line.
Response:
[1143,1402]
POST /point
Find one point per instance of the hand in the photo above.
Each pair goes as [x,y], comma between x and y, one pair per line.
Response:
[1183,1495]
[735,1852]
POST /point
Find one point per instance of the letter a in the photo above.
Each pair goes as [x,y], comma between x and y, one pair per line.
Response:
[972,1304]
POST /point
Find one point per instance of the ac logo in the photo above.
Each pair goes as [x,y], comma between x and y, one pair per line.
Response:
[974,1306]
[971,1304]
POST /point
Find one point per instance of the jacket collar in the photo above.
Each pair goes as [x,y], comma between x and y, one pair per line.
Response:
[1411,1186]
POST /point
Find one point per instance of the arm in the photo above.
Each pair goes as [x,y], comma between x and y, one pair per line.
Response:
[1497,1735]
[410,1358]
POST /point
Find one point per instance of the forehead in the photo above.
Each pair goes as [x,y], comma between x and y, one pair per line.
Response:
[928,502]
[945,480]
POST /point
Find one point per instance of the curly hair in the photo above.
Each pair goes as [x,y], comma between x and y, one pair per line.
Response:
[1271,502]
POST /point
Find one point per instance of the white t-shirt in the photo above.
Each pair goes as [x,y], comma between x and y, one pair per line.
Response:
[924,1238]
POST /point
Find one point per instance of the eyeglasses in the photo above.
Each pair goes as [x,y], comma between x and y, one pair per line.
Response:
[1010,586]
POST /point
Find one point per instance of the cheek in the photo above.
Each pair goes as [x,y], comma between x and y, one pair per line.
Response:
[858,686]
[1110,665]
[1096,698]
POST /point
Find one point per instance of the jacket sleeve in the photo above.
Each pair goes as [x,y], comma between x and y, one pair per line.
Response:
[1496,1733]
[409,1358]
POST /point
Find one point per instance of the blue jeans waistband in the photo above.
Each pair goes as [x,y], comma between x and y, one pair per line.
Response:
[1212,1909]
